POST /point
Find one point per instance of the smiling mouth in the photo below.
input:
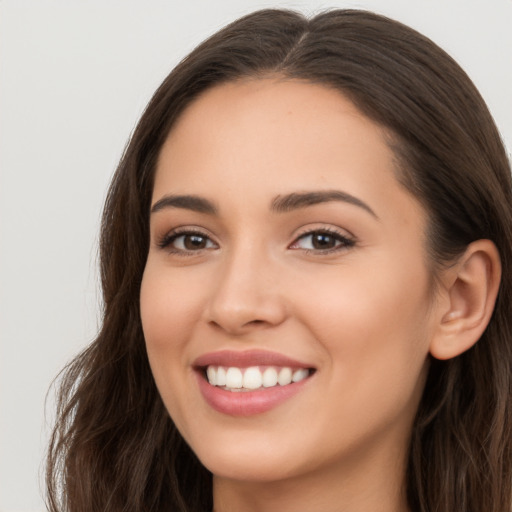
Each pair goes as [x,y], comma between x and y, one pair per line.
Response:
[250,382]
[253,378]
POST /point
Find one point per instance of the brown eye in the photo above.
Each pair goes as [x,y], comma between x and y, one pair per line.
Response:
[322,241]
[194,242]
[187,242]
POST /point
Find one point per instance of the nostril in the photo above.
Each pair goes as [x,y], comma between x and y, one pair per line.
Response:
[254,324]
[242,328]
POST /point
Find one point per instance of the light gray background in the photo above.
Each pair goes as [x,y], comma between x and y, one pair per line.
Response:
[74,78]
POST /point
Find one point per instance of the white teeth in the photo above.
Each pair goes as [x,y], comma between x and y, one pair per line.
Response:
[239,379]
[211,373]
[252,378]
[299,375]
[285,376]
[221,377]
[234,378]
[269,377]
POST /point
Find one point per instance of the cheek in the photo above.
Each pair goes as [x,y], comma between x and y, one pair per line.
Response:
[169,312]
[168,315]
[169,308]
[361,299]
[373,322]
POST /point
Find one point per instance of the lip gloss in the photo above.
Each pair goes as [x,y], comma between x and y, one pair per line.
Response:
[247,403]
[246,358]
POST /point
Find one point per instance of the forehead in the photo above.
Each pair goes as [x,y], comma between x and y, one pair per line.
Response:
[272,136]
[269,122]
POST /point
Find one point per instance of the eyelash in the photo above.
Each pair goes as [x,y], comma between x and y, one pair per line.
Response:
[167,240]
[343,242]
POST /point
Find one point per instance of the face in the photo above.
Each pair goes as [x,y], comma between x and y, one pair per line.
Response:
[286,300]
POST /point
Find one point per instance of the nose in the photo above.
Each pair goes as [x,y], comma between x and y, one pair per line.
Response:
[247,295]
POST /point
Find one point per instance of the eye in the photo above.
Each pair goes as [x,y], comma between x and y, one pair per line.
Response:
[322,241]
[186,242]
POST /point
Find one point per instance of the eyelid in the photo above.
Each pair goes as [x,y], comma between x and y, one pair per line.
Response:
[164,242]
[346,239]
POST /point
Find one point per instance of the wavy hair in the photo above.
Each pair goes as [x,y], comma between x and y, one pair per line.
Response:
[115,448]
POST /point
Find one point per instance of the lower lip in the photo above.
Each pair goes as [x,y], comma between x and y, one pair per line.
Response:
[247,403]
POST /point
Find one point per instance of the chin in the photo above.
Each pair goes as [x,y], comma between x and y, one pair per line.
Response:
[263,471]
[257,462]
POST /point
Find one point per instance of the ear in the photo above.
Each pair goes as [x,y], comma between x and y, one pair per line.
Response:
[469,288]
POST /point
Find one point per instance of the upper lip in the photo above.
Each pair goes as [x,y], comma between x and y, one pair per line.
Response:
[247,358]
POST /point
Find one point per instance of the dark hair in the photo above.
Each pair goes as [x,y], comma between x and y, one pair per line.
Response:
[115,447]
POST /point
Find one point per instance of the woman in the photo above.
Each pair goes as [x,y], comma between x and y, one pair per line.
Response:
[305,264]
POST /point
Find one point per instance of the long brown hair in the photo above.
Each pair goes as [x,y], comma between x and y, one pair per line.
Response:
[115,448]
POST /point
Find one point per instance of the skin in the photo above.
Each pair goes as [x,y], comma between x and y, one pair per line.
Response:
[363,315]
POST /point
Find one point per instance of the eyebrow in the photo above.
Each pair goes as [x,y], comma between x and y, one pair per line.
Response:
[296,200]
[281,204]
[188,202]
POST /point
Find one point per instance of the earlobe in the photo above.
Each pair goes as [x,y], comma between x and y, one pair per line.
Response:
[471,287]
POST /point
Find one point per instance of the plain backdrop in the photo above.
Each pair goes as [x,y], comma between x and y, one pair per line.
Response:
[74,78]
